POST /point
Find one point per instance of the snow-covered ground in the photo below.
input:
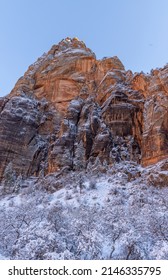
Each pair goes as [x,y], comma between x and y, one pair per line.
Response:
[116,215]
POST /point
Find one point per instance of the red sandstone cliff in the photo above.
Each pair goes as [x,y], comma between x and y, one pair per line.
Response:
[71,110]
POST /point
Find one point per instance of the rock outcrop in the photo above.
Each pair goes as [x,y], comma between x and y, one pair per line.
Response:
[71,110]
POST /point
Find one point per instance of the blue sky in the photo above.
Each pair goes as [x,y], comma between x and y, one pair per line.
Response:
[135,31]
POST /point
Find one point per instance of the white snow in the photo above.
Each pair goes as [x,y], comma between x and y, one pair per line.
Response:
[72,51]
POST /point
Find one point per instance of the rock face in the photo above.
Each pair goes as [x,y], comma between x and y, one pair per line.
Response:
[71,110]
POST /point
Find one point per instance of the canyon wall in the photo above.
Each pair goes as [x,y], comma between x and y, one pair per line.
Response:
[72,110]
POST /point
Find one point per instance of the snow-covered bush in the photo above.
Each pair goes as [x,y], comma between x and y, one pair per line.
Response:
[92,183]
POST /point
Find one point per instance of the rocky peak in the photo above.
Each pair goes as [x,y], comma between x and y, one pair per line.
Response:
[71,110]
[68,45]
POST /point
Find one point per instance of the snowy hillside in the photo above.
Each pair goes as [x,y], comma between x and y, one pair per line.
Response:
[120,214]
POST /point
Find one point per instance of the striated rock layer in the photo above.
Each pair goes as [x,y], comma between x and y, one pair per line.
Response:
[71,110]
